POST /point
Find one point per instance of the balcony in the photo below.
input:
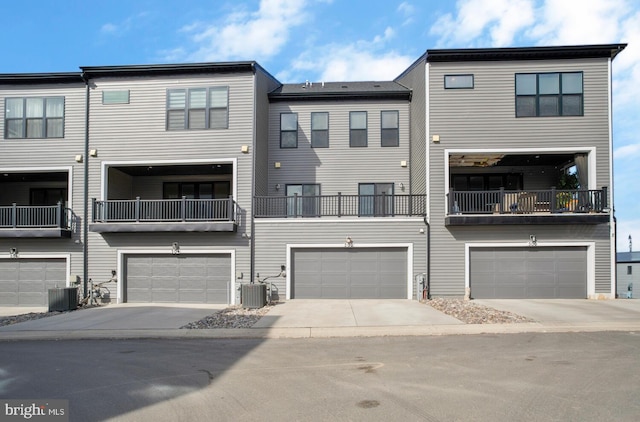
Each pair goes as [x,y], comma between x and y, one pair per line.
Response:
[552,206]
[52,221]
[164,215]
[340,206]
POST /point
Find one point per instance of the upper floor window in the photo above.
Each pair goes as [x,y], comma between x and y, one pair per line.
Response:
[115,96]
[549,94]
[375,199]
[289,130]
[358,128]
[34,117]
[320,130]
[629,270]
[458,81]
[389,129]
[198,108]
[303,199]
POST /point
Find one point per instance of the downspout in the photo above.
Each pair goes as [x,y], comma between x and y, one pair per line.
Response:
[427,282]
[85,222]
[252,245]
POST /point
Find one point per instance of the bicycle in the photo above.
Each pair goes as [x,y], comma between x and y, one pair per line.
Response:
[97,291]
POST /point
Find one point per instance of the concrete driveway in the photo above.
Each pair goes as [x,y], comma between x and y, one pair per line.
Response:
[574,312]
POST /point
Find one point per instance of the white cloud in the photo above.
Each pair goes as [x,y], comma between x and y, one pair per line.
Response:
[108,28]
[248,35]
[120,28]
[408,11]
[361,60]
[482,22]
[627,152]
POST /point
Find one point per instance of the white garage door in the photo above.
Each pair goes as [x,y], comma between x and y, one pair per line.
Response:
[359,273]
[528,273]
[178,278]
[25,282]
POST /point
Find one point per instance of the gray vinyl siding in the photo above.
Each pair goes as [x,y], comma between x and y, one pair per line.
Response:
[484,117]
[338,168]
[415,79]
[272,237]
[45,154]
[264,84]
[137,132]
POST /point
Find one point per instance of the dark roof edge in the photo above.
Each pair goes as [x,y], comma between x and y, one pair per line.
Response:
[413,65]
[40,78]
[332,96]
[169,69]
[525,53]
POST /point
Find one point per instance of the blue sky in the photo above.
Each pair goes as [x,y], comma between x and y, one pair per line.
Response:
[330,40]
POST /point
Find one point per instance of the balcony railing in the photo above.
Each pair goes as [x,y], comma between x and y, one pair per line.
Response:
[164,210]
[552,201]
[340,206]
[29,217]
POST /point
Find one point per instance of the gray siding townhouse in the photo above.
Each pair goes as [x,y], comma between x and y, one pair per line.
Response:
[519,160]
[484,173]
[338,206]
[41,184]
[172,155]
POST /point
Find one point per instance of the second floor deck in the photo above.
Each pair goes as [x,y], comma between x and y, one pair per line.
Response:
[35,221]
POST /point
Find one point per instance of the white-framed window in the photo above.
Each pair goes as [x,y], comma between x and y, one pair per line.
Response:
[320,130]
[115,96]
[458,82]
[389,128]
[34,117]
[549,94]
[357,128]
[198,108]
[289,130]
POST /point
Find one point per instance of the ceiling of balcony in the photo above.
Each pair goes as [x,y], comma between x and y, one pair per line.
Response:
[176,170]
[13,177]
[510,160]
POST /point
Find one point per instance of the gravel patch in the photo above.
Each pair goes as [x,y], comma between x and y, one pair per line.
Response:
[470,312]
[231,317]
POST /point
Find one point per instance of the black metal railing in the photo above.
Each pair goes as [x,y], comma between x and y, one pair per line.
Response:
[340,206]
[163,210]
[550,201]
[27,216]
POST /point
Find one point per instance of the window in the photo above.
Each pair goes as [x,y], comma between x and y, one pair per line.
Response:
[629,270]
[358,128]
[34,117]
[486,182]
[196,190]
[389,132]
[198,108]
[303,200]
[47,196]
[549,94]
[289,130]
[319,130]
[115,97]
[458,81]
[376,199]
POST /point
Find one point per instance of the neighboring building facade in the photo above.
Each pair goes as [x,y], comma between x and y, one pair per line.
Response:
[456,176]
[628,272]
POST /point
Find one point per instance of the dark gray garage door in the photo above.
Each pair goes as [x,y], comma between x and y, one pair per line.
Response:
[528,273]
[379,273]
[178,278]
[25,282]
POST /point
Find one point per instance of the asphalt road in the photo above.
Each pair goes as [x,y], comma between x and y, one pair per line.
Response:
[510,377]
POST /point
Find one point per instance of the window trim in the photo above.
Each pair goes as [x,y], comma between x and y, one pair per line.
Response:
[295,131]
[115,99]
[448,78]
[396,129]
[319,130]
[559,95]
[24,119]
[186,109]
[366,130]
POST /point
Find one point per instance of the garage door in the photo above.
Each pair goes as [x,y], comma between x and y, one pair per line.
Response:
[178,278]
[379,273]
[528,273]
[25,282]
